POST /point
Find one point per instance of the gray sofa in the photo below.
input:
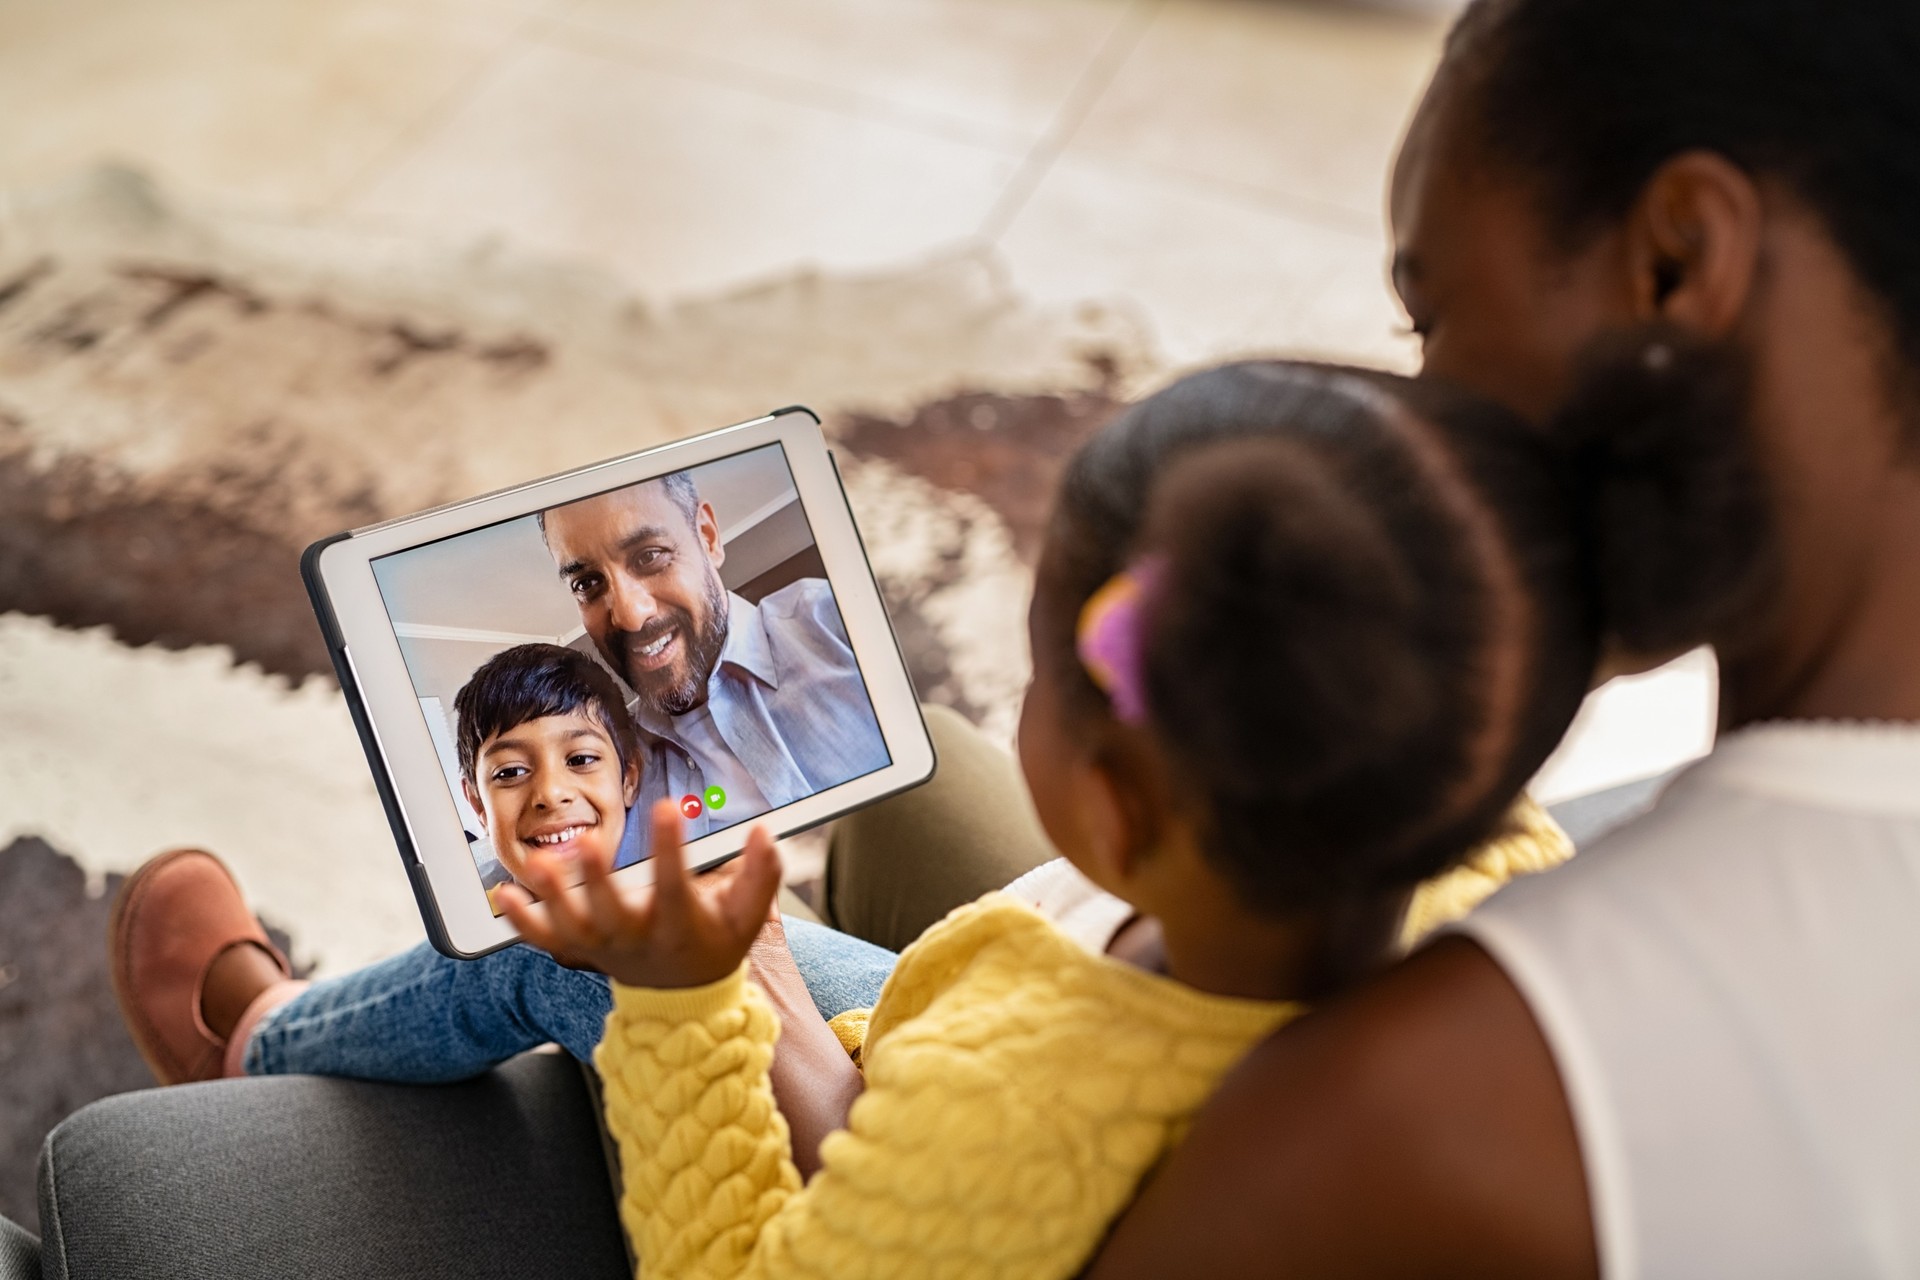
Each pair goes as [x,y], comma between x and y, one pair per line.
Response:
[19,1253]
[303,1176]
[309,1177]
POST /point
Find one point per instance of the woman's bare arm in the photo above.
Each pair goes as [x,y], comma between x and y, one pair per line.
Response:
[1416,1127]
[814,1081]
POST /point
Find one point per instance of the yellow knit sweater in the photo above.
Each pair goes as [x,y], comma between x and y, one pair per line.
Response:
[1018,1088]
[1529,841]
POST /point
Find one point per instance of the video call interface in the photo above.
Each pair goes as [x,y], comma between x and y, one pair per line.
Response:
[673,639]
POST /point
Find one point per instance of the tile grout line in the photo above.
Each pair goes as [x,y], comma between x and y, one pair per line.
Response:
[638,53]
[1323,215]
[1093,83]
[524,39]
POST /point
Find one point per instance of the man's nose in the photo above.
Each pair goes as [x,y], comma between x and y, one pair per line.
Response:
[630,605]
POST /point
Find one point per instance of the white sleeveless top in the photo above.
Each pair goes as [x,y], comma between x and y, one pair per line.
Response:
[1731,988]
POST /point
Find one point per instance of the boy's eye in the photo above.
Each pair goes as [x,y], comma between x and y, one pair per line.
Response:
[508,772]
[583,760]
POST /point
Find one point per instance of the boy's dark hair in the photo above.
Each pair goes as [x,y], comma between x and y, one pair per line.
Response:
[530,681]
[1587,98]
[1384,599]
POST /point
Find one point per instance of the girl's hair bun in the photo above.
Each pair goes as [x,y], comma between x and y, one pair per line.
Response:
[1316,638]
[1671,496]
[1279,645]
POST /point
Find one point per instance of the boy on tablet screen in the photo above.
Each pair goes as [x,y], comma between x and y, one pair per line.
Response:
[548,755]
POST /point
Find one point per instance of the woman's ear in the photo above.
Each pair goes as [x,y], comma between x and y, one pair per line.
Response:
[473,798]
[1694,242]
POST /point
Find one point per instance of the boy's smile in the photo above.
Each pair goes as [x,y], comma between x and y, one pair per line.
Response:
[562,842]
[553,786]
[562,837]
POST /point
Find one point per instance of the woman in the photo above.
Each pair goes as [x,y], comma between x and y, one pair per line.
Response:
[1692,1052]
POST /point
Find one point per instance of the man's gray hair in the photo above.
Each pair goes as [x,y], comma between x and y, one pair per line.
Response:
[679,486]
[685,494]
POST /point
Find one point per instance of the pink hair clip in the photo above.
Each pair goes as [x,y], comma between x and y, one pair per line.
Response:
[1111,638]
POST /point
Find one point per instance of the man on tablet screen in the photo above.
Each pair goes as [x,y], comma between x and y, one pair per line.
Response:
[744,707]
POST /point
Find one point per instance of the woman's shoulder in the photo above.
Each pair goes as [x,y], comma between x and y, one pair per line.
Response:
[1770,801]
[1715,836]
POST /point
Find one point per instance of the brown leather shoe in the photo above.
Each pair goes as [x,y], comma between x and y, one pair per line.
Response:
[173,918]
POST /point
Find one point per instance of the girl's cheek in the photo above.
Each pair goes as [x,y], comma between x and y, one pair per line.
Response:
[1048,776]
[1030,742]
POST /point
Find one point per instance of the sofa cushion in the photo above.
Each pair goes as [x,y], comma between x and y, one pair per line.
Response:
[303,1176]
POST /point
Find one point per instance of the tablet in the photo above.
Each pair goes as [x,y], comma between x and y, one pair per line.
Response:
[534,669]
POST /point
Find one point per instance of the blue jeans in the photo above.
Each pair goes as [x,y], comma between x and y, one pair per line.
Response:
[420,1018]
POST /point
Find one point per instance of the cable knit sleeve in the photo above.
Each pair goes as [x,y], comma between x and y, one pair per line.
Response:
[704,1152]
[711,1192]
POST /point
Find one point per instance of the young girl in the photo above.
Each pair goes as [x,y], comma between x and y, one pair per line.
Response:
[1300,636]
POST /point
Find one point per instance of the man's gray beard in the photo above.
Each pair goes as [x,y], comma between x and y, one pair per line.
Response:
[703,654]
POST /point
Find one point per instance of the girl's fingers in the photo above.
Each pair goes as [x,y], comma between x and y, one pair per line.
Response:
[772,915]
[524,915]
[609,913]
[670,880]
[537,880]
[565,909]
[746,900]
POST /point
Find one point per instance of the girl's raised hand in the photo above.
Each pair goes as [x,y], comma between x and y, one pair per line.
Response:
[679,932]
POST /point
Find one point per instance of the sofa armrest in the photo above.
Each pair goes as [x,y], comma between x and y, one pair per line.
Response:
[299,1175]
[19,1253]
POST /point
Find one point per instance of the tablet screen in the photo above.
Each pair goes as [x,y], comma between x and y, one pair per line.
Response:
[672,638]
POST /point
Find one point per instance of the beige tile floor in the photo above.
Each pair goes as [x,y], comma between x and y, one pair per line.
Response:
[1215,166]
[1217,162]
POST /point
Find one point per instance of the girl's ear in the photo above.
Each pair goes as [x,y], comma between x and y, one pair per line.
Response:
[473,798]
[1122,823]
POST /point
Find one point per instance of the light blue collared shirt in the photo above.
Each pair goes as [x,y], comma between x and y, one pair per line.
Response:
[786,708]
